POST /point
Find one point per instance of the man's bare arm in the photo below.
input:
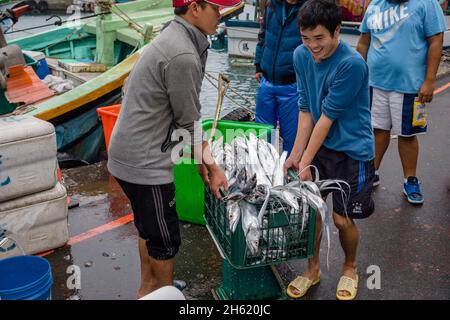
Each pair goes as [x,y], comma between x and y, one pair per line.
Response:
[433,61]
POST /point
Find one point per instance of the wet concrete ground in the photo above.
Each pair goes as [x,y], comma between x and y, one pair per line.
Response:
[410,245]
[109,261]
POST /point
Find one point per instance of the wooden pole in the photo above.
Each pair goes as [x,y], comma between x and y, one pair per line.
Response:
[3,42]
[221,94]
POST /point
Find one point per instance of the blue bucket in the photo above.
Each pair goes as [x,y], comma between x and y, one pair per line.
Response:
[25,278]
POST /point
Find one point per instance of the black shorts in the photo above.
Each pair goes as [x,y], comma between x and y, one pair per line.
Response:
[155,217]
[358,174]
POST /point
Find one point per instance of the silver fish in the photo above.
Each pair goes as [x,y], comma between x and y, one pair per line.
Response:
[229,162]
[258,195]
[278,174]
[253,164]
[287,195]
[217,152]
[234,213]
[240,153]
[250,226]
[273,151]
[250,185]
[235,189]
[266,159]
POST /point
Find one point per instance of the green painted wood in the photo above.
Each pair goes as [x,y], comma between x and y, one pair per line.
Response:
[130,36]
[57,36]
[139,6]
[139,17]
[113,74]
[105,40]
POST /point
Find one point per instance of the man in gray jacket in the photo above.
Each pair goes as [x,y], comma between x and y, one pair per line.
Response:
[162,95]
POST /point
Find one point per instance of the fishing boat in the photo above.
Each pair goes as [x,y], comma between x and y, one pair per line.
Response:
[96,54]
[104,48]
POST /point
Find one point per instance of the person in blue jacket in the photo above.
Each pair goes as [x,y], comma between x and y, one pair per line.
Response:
[277,94]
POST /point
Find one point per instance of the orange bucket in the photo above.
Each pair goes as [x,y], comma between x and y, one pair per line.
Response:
[109,116]
[20,10]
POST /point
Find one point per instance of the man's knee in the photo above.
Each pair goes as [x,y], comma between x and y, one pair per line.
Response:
[342,223]
[163,247]
[410,139]
[378,131]
[162,252]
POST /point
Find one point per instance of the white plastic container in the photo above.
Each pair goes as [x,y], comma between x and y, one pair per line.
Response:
[165,293]
[28,161]
[37,222]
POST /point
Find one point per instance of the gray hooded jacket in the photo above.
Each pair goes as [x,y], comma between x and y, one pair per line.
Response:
[162,94]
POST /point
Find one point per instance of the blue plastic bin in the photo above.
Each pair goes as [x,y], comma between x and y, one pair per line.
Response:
[41,69]
[25,278]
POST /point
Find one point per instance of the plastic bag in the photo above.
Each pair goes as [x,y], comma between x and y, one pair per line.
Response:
[419,114]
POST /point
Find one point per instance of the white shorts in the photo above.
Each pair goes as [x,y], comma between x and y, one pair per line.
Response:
[393,111]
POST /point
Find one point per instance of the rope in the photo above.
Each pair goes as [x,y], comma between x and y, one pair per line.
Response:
[250,76]
[57,23]
[131,23]
[105,5]
[209,77]
[135,48]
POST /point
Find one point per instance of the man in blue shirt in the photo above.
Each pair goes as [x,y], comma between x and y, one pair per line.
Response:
[277,94]
[402,42]
[334,133]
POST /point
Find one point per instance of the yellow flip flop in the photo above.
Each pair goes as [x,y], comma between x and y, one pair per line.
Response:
[302,284]
[347,284]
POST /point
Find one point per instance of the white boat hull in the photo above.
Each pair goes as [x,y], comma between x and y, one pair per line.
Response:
[242,41]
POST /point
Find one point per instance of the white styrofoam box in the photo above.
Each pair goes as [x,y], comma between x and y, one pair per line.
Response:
[28,160]
[37,222]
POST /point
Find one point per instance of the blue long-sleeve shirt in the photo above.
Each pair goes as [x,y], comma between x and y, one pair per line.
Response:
[338,88]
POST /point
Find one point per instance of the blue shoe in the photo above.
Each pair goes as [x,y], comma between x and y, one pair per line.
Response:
[376,180]
[411,188]
[179,284]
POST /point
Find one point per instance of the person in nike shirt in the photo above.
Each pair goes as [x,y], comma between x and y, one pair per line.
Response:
[402,43]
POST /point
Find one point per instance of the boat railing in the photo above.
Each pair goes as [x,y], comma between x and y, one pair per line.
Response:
[353,24]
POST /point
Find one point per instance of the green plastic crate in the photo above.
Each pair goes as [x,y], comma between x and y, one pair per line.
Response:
[282,238]
[250,284]
[189,187]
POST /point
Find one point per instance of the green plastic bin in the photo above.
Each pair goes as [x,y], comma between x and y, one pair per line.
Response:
[189,187]
[249,284]
[282,237]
